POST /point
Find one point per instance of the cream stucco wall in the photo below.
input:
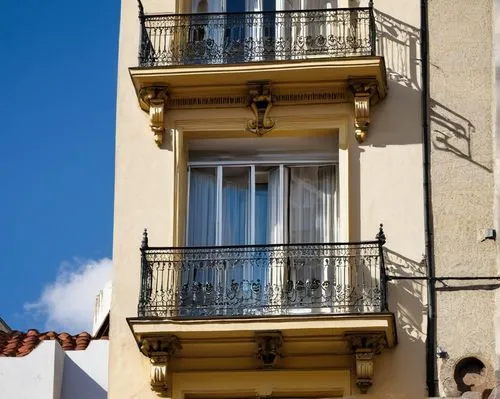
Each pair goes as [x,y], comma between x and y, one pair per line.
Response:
[382,184]
[462,171]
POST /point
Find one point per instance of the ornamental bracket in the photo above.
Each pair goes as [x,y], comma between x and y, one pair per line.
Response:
[365,347]
[153,99]
[269,345]
[365,92]
[260,101]
[159,349]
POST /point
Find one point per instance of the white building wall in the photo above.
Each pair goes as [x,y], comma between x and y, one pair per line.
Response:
[38,375]
[49,372]
[86,372]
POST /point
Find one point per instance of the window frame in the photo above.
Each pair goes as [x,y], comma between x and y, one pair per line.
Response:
[283,210]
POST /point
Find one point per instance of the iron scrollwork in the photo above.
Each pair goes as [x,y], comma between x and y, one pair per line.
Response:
[234,38]
[250,281]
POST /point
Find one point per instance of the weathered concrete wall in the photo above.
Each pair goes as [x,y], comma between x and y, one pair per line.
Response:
[462,165]
[497,172]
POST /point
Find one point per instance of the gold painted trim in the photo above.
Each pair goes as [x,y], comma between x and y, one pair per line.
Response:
[262,383]
[269,348]
[365,92]
[153,100]
[260,102]
[159,350]
[365,346]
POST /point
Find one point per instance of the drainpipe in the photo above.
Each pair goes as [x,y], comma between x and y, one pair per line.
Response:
[429,235]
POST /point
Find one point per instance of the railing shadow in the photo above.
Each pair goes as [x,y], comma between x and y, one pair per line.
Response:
[451,132]
[411,293]
[399,43]
[407,301]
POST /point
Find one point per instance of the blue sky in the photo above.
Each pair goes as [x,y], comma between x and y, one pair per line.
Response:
[58,70]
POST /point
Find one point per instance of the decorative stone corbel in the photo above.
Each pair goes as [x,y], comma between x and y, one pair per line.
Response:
[153,99]
[269,348]
[260,101]
[365,93]
[159,350]
[365,347]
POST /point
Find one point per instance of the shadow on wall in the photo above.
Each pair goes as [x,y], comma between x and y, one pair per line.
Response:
[411,307]
[78,384]
[399,44]
[452,133]
[407,300]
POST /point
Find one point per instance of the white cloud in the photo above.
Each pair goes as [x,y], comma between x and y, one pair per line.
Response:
[68,303]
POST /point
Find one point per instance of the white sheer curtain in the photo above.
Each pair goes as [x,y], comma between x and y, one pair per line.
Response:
[311,204]
[202,207]
[253,30]
[311,221]
[209,30]
[275,227]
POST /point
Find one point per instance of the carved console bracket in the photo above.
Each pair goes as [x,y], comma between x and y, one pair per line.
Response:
[260,101]
[365,92]
[365,347]
[269,348]
[159,350]
[153,99]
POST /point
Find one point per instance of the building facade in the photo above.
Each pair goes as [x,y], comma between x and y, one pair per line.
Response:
[262,144]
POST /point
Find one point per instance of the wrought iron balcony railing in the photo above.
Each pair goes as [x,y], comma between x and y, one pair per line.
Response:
[235,38]
[271,280]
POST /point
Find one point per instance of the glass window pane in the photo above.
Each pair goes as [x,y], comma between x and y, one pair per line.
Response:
[235,206]
[202,206]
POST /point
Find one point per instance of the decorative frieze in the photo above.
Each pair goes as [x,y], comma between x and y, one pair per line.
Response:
[365,347]
[269,348]
[321,96]
[280,96]
[260,99]
[213,101]
[365,92]
[153,100]
[159,350]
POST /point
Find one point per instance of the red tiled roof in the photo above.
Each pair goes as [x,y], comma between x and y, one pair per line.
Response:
[18,344]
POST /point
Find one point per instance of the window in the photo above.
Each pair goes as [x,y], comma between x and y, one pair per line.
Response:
[246,197]
[261,204]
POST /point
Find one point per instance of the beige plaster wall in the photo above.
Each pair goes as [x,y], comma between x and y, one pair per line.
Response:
[143,197]
[391,192]
[383,184]
[462,163]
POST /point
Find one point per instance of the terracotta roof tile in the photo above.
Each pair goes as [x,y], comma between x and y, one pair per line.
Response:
[19,344]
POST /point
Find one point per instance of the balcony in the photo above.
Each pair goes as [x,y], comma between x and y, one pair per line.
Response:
[289,306]
[238,38]
[232,60]
[256,281]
